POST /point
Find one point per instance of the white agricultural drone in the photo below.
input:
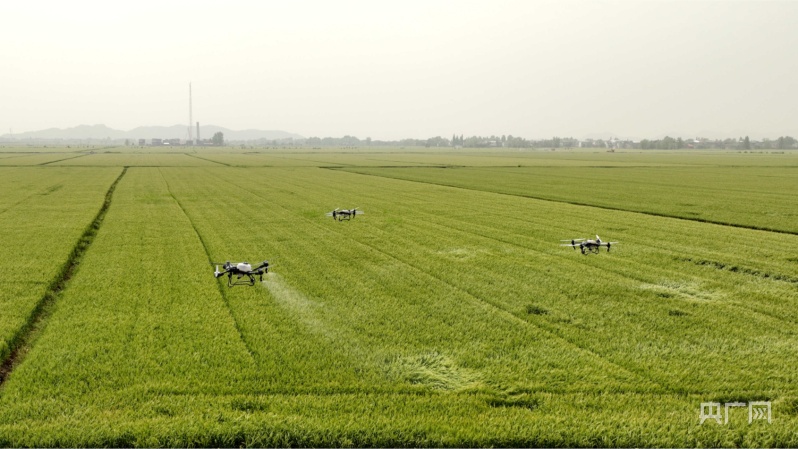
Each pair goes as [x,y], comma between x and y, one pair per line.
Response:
[344,214]
[589,246]
[239,270]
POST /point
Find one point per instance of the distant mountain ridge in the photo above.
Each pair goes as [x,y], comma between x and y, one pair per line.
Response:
[101,132]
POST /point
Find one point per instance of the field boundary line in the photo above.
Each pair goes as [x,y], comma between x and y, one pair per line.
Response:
[203,159]
[573,203]
[64,159]
[20,343]
[22,154]
[219,286]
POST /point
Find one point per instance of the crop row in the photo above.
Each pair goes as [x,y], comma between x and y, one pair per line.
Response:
[443,316]
[672,316]
[406,157]
[674,323]
[43,211]
[744,196]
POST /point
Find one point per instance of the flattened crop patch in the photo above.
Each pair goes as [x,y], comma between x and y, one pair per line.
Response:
[434,371]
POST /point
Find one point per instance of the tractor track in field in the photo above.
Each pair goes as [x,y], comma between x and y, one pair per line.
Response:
[222,291]
[574,203]
[554,330]
[42,191]
[208,160]
[64,159]
[21,342]
[11,206]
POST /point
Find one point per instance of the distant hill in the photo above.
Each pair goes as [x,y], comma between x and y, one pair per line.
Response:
[102,132]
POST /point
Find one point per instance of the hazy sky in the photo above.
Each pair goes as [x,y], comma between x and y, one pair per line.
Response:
[395,69]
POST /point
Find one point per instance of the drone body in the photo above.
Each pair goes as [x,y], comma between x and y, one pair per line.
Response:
[240,270]
[588,245]
[344,214]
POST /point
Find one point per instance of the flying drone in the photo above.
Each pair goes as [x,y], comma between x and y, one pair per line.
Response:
[344,214]
[239,270]
[588,245]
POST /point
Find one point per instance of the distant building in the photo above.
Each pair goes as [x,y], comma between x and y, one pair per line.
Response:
[142,142]
[157,142]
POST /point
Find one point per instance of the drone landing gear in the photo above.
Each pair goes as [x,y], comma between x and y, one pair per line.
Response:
[248,279]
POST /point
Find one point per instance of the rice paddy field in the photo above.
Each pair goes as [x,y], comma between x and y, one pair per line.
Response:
[447,315]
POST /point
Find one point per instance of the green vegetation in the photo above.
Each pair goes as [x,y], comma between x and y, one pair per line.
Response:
[755,197]
[44,211]
[448,315]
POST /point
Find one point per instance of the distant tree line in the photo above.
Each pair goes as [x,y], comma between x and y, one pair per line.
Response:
[437,141]
[510,141]
[503,141]
[741,143]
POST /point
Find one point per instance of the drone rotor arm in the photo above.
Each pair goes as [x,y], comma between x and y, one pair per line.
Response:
[264,267]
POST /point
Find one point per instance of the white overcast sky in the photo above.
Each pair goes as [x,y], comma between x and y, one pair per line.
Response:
[405,68]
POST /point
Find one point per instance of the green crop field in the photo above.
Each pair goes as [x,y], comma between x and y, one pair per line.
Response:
[447,315]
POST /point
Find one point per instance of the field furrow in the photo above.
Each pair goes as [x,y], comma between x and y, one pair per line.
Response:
[730,195]
[448,314]
[45,212]
[620,295]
